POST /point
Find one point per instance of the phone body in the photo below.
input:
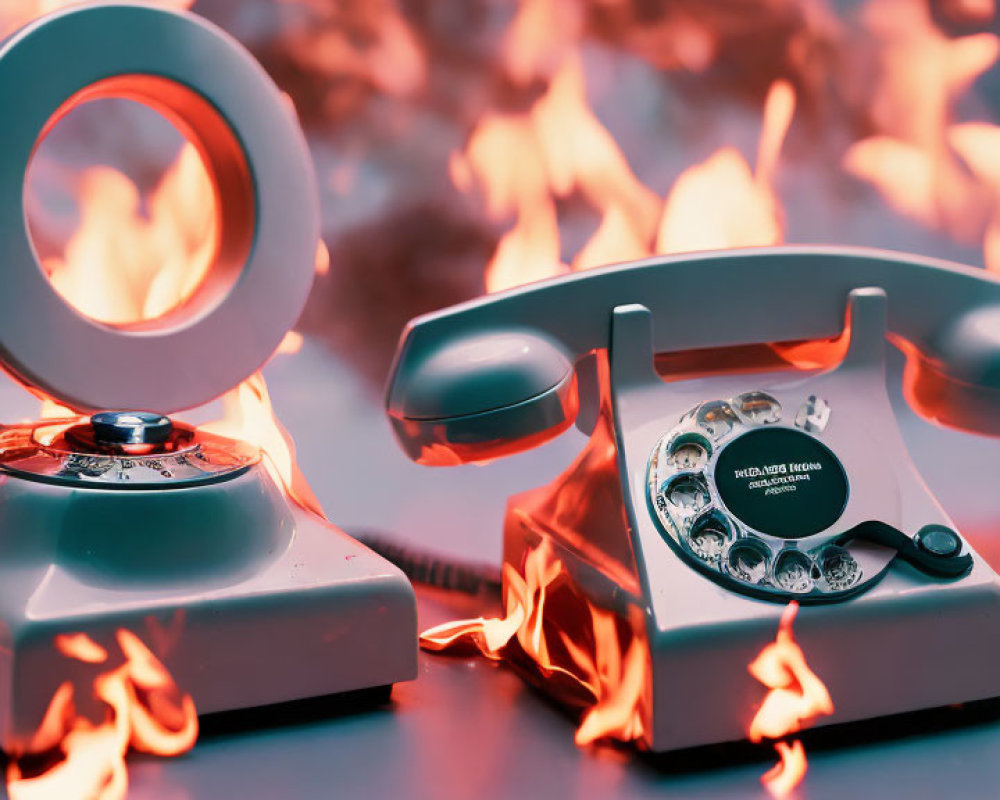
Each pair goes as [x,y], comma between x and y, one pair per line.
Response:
[743,454]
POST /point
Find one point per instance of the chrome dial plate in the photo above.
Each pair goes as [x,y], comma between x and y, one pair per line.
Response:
[46,451]
[685,501]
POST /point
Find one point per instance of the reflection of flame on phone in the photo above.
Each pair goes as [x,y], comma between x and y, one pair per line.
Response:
[144,711]
[797,696]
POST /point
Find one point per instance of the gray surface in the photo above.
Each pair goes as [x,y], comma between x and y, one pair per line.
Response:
[469,729]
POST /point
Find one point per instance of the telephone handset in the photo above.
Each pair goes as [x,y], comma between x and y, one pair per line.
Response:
[741,431]
[494,375]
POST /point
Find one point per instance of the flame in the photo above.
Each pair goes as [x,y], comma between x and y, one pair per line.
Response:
[720,202]
[248,416]
[525,163]
[291,344]
[15,13]
[505,156]
[796,697]
[597,668]
[977,144]
[81,647]
[120,266]
[905,73]
[543,34]
[920,74]
[145,711]
[322,258]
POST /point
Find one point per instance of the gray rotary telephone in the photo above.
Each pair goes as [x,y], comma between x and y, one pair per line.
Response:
[753,456]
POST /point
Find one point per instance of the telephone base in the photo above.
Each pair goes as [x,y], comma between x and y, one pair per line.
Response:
[300,611]
[621,526]
[896,648]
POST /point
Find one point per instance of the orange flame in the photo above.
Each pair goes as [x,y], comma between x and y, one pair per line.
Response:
[248,416]
[291,344]
[920,74]
[542,35]
[720,202]
[524,163]
[120,266]
[797,696]
[15,13]
[977,144]
[599,669]
[145,711]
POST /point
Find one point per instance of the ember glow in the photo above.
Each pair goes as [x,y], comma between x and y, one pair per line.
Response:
[144,711]
[796,696]
[589,658]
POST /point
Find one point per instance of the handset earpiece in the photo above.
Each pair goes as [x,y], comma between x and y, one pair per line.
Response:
[956,381]
[483,395]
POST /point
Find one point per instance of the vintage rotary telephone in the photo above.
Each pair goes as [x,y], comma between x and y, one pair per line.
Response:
[131,520]
[743,454]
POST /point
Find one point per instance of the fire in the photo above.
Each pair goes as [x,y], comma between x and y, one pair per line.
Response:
[590,658]
[720,202]
[513,186]
[145,711]
[796,697]
[543,34]
[525,163]
[120,266]
[15,13]
[291,344]
[977,145]
[249,416]
[920,75]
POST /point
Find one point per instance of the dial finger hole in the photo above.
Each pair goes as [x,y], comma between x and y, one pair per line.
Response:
[758,407]
[716,417]
[748,560]
[690,452]
[688,493]
[793,572]
[814,415]
[708,538]
[839,568]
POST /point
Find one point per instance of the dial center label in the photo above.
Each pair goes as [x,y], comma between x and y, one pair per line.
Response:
[781,482]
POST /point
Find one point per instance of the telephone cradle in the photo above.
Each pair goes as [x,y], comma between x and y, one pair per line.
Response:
[743,453]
